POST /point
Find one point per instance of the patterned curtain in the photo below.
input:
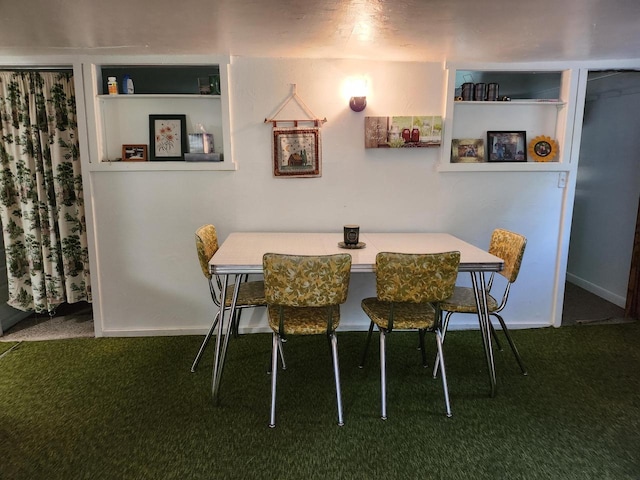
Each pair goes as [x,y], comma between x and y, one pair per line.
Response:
[41,199]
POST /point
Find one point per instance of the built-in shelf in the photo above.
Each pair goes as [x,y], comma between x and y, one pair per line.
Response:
[503,167]
[511,103]
[158,95]
[540,108]
[161,166]
[160,89]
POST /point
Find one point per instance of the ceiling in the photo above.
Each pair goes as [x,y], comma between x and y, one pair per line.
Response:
[403,30]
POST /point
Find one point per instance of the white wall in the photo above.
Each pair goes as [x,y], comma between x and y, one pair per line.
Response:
[148,280]
[607,187]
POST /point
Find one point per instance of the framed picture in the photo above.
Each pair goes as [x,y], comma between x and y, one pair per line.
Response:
[467,150]
[296,152]
[167,137]
[507,146]
[403,132]
[134,153]
[543,149]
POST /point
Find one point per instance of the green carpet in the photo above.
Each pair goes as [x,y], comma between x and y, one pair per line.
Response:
[129,408]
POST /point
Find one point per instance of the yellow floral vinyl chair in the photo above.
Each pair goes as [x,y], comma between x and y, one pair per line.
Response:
[508,246]
[250,294]
[409,290]
[304,294]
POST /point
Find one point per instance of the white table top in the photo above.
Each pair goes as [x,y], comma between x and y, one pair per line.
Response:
[242,252]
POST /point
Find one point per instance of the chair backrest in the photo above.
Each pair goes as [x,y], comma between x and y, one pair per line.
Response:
[207,246]
[306,280]
[509,247]
[416,278]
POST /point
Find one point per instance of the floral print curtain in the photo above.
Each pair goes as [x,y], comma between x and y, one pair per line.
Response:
[41,198]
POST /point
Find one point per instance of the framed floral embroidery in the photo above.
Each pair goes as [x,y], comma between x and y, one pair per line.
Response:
[167,137]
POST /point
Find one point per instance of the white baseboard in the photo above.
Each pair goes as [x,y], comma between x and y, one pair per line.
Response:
[596,290]
[466,324]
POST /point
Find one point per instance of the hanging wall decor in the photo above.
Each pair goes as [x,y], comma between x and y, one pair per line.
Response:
[297,148]
[296,152]
[403,132]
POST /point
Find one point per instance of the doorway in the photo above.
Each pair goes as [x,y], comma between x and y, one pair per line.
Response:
[607,189]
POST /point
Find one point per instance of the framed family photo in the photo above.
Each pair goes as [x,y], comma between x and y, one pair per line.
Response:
[506,146]
[134,153]
[467,150]
[296,152]
[167,137]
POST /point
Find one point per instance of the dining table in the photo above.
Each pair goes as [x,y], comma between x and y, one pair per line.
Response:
[241,254]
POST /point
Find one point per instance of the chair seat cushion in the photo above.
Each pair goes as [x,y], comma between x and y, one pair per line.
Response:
[464,301]
[302,320]
[405,315]
[250,293]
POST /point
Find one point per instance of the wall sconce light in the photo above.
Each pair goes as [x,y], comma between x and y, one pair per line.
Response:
[357,104]
[357,88]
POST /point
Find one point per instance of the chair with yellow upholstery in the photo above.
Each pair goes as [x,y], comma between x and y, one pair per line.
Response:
[409,289]
[508,246]
[250,294]
[304,294]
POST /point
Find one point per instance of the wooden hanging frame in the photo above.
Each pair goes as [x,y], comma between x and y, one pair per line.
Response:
[317,122]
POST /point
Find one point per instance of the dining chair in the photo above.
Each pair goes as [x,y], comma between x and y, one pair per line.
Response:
[409,289]
[304,294]
[250,294]
[508,246]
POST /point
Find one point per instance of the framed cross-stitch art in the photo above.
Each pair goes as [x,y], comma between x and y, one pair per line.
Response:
[296,152]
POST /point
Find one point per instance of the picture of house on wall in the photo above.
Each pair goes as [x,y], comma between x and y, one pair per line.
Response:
[296,152]
[403,132]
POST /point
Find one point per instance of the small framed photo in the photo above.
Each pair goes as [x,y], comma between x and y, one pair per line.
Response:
[296,152]
[467,150]
[507,146]
[543,149]
[167,137]
[134,153]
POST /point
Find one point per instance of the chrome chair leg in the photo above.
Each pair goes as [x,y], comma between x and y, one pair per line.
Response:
[204,343]
[284,365]
[383,374]
[281,349]
[336,372]
[445,325]
[366,346]
[274,374]
[443,373]
[494,334]
[421,334]
[511,344]
[236,323]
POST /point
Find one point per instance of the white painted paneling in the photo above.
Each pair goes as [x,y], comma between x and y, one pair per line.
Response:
[150,280]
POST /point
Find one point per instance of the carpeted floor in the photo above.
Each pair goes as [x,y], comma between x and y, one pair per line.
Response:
[129,408]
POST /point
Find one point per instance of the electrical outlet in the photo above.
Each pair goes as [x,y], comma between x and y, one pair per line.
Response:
[562,180]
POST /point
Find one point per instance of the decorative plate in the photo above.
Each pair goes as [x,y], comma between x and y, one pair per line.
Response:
[543,149]
[352,247]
